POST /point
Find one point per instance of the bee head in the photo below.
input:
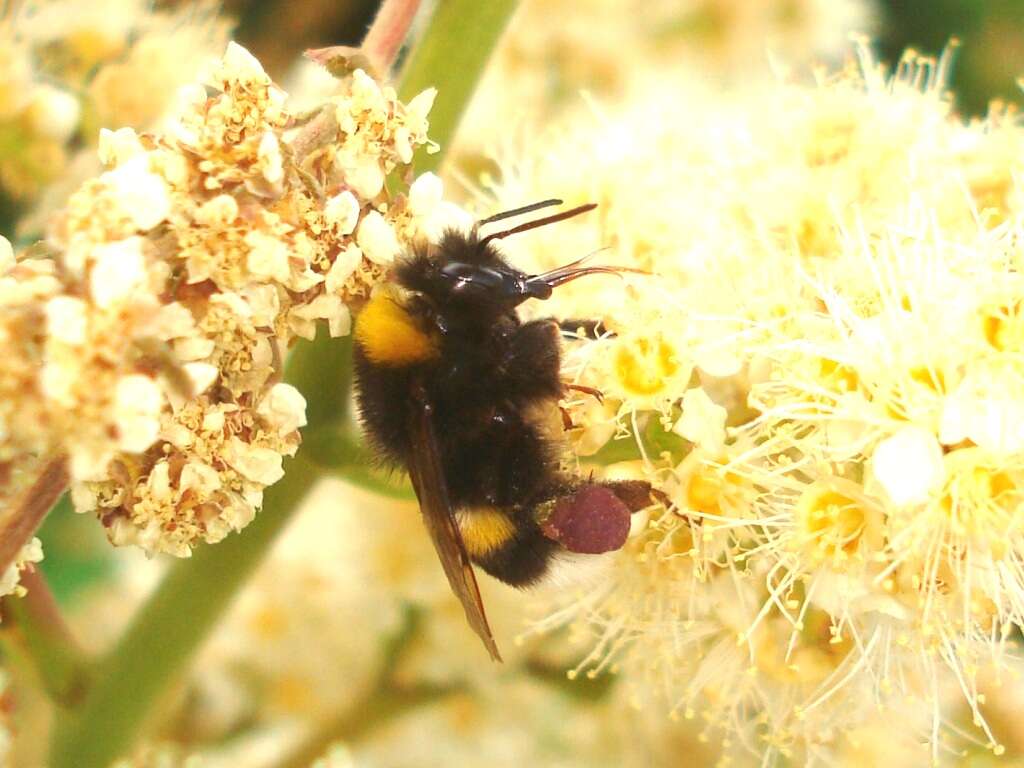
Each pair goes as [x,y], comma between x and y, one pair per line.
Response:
[465,278]
[461,277]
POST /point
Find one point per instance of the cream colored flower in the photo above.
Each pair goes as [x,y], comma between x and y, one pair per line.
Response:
[820,373]
[138,401]
[119,62]
[152,355]
[377,239]
[29,554]
[703,421]
[908,465]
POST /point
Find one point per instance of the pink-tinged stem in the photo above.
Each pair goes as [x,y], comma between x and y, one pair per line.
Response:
[25,511]
[388,31]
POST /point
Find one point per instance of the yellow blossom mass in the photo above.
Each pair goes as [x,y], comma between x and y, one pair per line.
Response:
[821,373]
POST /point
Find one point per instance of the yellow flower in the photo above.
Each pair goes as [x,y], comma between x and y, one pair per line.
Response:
[838,337]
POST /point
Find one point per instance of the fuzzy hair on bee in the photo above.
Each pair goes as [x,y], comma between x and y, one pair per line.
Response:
[453,387]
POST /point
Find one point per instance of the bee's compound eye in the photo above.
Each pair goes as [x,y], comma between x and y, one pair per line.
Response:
[472,277]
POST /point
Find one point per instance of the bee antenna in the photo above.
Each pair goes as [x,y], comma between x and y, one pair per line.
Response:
[519,211]
[540,222]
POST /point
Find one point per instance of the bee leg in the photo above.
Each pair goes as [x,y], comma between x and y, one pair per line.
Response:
[566,419]
[531,366]
[594,517]
[597,394]
[583,329]
[587,518]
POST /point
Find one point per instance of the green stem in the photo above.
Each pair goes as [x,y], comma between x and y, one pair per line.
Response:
[339,451]
[189,602]
[451,57]
[321,370]
[34,631]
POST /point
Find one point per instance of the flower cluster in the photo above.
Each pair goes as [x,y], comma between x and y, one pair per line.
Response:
[146,337]
[823,374]
[69,70]
[611,48]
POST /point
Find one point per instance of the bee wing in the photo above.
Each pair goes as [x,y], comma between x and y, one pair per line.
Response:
[427,477]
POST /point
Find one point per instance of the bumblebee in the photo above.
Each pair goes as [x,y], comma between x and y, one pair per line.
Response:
[455,388]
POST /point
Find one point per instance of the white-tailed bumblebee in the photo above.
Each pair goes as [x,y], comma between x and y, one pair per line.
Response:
[452,386]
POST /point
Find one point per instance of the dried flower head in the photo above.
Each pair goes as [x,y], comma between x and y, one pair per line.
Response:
[148,345]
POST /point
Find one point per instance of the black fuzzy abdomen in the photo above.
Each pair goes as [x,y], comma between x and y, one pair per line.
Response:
[493,454]
[494,458]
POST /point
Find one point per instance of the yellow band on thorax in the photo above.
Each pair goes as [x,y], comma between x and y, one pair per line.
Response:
[388,335]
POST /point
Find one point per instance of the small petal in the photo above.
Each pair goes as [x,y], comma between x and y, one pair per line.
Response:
[703,420]
[217,212]
[285,408]
[270,160]
[908,465]
[143,195]
[341,270]
[376,237]
[202,376]
[66,319]
[342,212]
[268,257]
[425,195]
[239,63]
[137,404]
[261,465]
[119,269]
[117,147]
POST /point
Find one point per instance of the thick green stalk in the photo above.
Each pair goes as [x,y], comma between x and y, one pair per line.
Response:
[339,451]
[192,598]
[451,57]
[35,632]
[321,370]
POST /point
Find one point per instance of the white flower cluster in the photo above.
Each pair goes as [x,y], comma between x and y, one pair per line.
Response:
[824,375]
[147,346]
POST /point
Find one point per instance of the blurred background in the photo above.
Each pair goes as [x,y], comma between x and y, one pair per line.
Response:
[347,643]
